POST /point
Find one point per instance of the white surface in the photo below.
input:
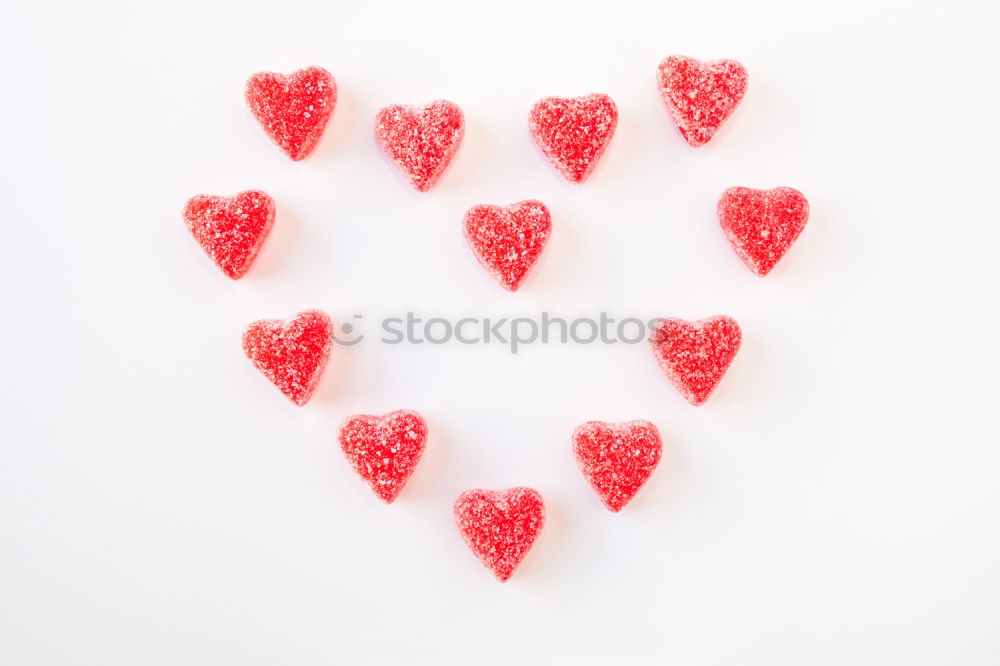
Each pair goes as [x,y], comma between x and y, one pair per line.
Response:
[835,501]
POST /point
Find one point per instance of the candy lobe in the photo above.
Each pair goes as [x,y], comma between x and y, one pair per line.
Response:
[617,458]
[291,353]
[696,355]
[231,230]
[508,240]
[574,132]
[293,110]
[761,225]
[420,140]
[384,450]
[500,526]
[700,96]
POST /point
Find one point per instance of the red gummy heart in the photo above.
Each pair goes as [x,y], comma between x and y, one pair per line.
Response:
[384,450]
[508,240]
[617,458]
[762,224]
[574,132]
[701,95]
[230,229]
[695,355]
[420,140]
[499,526]
[293,109]
[291,353]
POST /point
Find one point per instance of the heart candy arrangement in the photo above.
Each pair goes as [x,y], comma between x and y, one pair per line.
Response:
[420,140]
[384,450]
[616,459]
[508,240]
[574,133]
[294,109]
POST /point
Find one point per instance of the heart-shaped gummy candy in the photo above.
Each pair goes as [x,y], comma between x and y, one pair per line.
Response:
[293,109]
[420,140]
[508,240]
[700,95]
[230,229]
[574,132]
[499,526]
[762,224]
[291,353]
[384,450]
[617,458]
[695,355]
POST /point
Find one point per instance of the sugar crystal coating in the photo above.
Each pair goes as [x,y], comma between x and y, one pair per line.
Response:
[500,526]
[384,450]
[695,355]
[291,353]
[293,109]
[574,132]
[508,240]
[762,224]
[420,140]
[232,229]
[700,95]
[617,458]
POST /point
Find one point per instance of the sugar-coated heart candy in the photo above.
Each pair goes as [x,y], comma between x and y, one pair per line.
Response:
[384,450]
[291,353]
[508,240]
[617,458]
[293,109]
[762,224]
[499,526]
[695,355]
[701,95]
[574,132]
[230,229]
[420,140]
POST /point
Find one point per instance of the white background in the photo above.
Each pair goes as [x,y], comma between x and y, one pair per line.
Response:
[835,502]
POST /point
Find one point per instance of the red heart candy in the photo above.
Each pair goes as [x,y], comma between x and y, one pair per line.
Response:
[293,109]
[384,450]
[762,224]
[617,458]
[508,240]
[230,229]
[701,95]
[499,526]
[291,353]
[574,132]
[420,140]
[695,355]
